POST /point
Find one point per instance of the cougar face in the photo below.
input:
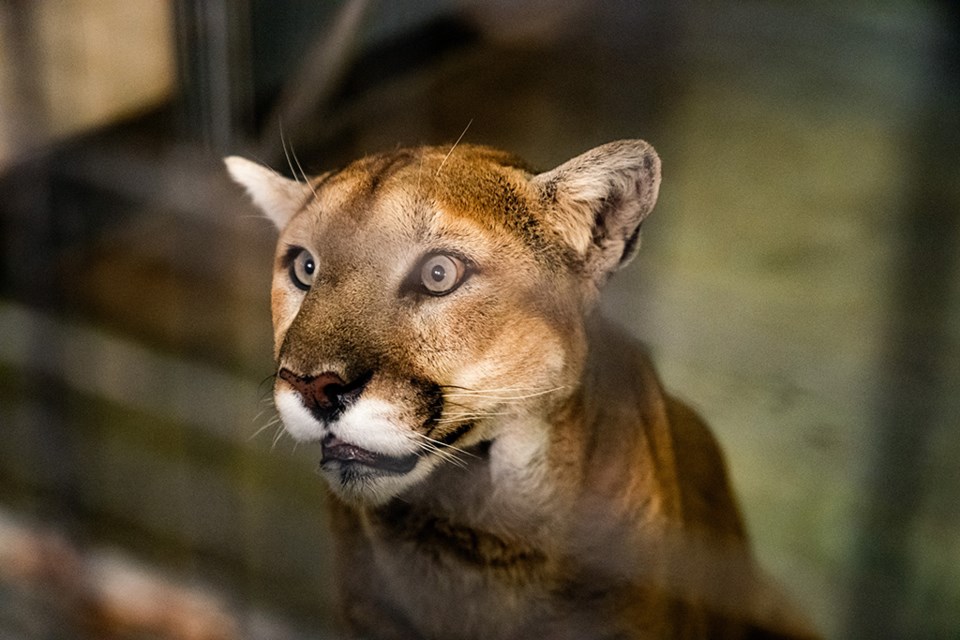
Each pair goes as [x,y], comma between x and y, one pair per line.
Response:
[425,302]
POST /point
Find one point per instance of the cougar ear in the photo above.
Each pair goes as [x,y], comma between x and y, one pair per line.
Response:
[599,199]
[277,197]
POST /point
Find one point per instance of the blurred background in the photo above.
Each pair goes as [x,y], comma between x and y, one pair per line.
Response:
[798,282]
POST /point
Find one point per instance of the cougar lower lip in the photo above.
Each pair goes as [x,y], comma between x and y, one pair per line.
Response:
[338,451]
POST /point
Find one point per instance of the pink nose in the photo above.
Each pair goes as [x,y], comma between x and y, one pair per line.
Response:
[324,394]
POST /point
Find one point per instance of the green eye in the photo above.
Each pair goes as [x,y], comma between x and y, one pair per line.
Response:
[440,274]
[302,270]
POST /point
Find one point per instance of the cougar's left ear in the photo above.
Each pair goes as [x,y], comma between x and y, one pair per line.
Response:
[599,199]
[277,197]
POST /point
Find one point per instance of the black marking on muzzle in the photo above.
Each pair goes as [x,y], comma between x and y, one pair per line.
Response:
[450,438]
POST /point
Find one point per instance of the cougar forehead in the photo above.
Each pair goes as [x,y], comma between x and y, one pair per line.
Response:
[478,184]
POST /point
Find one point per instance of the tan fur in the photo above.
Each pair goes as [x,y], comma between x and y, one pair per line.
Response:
[556,490]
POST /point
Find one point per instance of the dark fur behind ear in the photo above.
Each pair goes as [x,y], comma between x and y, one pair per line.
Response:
[600,199]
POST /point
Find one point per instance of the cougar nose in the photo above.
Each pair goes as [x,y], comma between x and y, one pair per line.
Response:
[326,394]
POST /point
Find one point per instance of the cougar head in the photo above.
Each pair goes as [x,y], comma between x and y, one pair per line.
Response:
[427,301]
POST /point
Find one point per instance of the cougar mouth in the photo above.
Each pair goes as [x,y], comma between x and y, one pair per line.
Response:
[337,452]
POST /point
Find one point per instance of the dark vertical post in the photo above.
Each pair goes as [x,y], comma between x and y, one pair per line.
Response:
[213,68]
[910,401]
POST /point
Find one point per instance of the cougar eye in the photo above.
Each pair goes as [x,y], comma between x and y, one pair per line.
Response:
[302,270]
[440,274]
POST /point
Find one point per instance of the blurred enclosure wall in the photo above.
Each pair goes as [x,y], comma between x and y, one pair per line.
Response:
[797,283]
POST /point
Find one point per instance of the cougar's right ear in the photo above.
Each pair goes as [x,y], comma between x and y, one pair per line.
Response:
[277,197]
